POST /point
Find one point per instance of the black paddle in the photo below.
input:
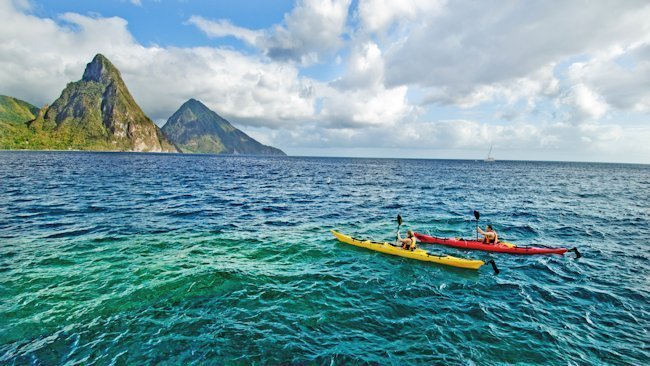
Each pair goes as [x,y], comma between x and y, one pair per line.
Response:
[399,223]
[477,215]
[494,265]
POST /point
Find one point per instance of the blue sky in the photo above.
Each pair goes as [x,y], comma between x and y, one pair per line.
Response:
[537,80]
[163,22]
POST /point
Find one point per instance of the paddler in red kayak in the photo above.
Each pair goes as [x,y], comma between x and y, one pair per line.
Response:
[408,243]
[489,235]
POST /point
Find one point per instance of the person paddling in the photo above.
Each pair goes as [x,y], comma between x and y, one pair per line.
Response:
[489,236]
[408,243]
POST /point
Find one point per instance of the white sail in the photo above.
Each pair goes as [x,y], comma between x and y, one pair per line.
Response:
[490,159]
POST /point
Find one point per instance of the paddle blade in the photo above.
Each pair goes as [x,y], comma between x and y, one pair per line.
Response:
[494,266]
[399,220]
[575,250]
[477,215]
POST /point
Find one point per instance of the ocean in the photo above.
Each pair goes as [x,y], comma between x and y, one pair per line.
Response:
[133,259]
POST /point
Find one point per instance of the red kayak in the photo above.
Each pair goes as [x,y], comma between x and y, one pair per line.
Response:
[500,247]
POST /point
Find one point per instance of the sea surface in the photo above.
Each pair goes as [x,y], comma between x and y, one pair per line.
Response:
[137,259]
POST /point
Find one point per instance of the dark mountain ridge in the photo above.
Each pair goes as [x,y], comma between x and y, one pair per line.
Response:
[197,129]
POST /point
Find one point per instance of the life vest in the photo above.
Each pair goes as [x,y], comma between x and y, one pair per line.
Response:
[492,240]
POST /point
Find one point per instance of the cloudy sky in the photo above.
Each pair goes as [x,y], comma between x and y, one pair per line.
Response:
[538,80]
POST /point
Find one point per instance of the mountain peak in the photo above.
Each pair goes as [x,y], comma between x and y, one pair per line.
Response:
[194,109]
[194,105]
[100,69]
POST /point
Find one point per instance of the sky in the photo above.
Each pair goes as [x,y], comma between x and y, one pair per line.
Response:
[536,80]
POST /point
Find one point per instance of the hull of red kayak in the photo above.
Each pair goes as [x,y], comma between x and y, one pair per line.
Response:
[473,244]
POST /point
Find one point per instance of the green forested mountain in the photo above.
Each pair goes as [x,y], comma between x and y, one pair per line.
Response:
[16,111]
[14,114]
[95,113]
[197,129]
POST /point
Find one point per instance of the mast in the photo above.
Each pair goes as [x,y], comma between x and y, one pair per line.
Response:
[490,159]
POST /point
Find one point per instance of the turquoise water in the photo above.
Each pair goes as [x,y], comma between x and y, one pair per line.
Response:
[111,258]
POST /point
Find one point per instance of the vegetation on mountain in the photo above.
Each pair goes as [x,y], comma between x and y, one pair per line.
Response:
[94,113]
[14,113]
[194,128]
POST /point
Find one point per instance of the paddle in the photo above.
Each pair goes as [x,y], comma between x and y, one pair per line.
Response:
[399,223]
[575,250]
[477,215]
[494,266]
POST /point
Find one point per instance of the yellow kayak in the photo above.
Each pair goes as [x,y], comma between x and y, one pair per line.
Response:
[418,254]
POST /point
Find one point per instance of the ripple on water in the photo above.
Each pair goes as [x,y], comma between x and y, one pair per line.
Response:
[146,259]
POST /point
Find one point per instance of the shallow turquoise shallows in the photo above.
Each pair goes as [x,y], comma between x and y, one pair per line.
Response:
[117,258]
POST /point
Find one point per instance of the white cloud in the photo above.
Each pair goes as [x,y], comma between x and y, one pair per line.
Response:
[377,16]
[473,45]
[471,140]
[233,84]
[586,104]
[364,108]
[224,28]
[621,77]
[459,134]
[365,68]
[312,30]
[530,89]
[359,98]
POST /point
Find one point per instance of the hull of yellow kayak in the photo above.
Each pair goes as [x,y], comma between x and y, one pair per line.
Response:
[417,254]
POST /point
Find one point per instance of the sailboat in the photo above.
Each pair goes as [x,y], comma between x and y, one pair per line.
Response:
[489,158]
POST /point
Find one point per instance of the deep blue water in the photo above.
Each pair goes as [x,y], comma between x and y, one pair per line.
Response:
[117,258]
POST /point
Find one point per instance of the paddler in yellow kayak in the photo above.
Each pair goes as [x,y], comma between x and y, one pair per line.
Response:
[408,243]
[489,235]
